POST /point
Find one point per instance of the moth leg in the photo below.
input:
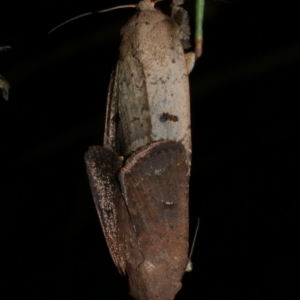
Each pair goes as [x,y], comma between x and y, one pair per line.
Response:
[189,266]
[190,59]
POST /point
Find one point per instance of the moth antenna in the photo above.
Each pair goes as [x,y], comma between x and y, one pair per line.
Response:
[91,13]
[189,266]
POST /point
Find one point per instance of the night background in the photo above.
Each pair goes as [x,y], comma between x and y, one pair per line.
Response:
[245,125]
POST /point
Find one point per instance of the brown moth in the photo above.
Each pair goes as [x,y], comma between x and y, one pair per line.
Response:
[140,178]
[148,96]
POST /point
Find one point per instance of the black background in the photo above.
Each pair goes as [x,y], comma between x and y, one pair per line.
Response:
[244,188]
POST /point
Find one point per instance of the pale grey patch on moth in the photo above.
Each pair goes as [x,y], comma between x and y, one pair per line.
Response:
[181,18]
[169,202]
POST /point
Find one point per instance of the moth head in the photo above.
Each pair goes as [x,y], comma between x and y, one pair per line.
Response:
[147,4]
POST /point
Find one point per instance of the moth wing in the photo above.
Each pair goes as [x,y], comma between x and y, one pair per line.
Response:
[111,112]
[127,124]
[102,168]
[154,183]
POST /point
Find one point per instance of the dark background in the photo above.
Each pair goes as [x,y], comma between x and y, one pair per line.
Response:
[245,115]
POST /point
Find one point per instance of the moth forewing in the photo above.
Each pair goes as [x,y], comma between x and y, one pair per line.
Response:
[103,166]
[154,184]
[150,82]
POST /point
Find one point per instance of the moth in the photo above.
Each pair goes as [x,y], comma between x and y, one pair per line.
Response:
[140,177]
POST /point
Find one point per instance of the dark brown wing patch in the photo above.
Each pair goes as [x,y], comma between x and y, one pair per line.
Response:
[154,183]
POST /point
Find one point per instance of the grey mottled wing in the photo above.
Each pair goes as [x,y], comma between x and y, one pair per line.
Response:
[181,17]
[128,124]
[102,168]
